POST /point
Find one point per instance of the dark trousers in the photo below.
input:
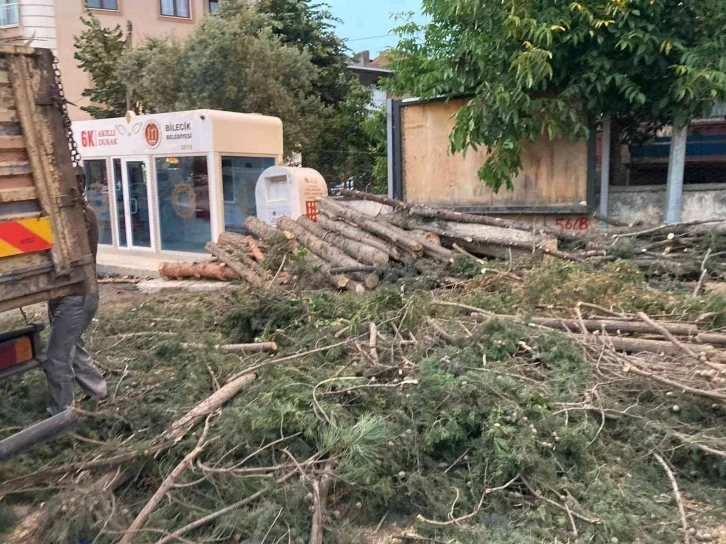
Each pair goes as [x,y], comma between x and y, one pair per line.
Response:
[67,358]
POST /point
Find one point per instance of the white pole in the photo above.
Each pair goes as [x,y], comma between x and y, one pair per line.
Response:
[389,132]
[605,167]
[676,168]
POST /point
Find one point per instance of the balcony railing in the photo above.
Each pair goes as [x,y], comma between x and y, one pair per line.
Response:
[8,14]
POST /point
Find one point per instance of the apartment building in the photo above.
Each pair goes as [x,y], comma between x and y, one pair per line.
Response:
[53,24]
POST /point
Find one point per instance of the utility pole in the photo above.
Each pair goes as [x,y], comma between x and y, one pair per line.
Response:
[129,45]
[676,169]
[605,166]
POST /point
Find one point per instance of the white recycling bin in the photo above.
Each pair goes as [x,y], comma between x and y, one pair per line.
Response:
[289,192]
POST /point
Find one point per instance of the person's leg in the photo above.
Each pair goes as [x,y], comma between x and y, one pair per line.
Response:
[67,317]
[87,375]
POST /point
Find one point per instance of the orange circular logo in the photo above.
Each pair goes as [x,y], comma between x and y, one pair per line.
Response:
[152,134]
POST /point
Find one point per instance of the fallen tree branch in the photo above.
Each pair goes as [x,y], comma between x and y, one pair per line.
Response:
[320,500]
[456,521]
[219,513]
[165,486]
[677,494]
[665,332]
[258,347]
[166,440]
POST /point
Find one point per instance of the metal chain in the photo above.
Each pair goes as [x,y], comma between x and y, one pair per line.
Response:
[63,107]
[62,104]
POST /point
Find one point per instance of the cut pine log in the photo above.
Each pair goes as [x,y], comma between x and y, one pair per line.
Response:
[325,251]
[247,274]
[335,278]
[359,235]
[237,245]
[260,347]
[459,217]
[208,271]
[485,239]
[613,327]
[388,232]
[263,231]
[360,252]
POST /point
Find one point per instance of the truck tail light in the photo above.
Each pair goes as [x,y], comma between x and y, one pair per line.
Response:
[18,348]
[16,351]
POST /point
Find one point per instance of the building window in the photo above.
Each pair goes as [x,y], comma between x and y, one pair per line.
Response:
[102,4]
[8,13]
[176,8]
[239,178]
[213,6]
[98,197]
[184,215]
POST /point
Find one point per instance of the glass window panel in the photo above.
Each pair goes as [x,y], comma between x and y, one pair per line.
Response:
[182,8]
[120,208]
[98,197]
[110,4]
[213,6]
[239,178]
[184,214]
[93,4]
[138,198]
[167,7]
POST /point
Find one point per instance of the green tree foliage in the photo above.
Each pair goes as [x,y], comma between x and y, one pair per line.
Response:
[376,127]
[553,67]
[230,62]
[309,26]
[98,51]
[342,149]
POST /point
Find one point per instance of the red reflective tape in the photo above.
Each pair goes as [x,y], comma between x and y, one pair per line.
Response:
[18,236]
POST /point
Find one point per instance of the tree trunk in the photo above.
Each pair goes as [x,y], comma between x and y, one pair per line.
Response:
[614,327]
[371,224]
[258,347]
[483,235]
[459,217]
[325,251]
[360,252]
[237,245]
[336,279]
[264,231]
[210,271]
[359,235]
[662,347]
[250,276]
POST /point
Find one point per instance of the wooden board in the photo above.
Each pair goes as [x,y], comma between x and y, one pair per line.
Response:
[554,172]
[36,172]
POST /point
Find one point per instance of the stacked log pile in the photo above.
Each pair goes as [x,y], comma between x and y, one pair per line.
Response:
[348,249]
[685,251]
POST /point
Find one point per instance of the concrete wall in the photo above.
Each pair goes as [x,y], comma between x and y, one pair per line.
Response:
[647,203]
[36,24]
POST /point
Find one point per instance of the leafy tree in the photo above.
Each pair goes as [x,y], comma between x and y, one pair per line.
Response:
[376,127]
[310,27]
[553,67]
[98,51]
[229,62]
[341,152]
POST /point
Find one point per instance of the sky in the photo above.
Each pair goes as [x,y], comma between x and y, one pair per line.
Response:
[367,23]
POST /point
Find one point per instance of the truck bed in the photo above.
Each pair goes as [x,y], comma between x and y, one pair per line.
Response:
[44,250]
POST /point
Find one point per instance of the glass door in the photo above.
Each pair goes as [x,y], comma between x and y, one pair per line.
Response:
[136,202]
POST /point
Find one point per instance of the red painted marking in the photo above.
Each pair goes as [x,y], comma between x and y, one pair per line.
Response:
[18,236]
[311,210]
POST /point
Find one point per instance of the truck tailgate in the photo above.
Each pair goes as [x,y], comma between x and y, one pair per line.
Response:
[44,250]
